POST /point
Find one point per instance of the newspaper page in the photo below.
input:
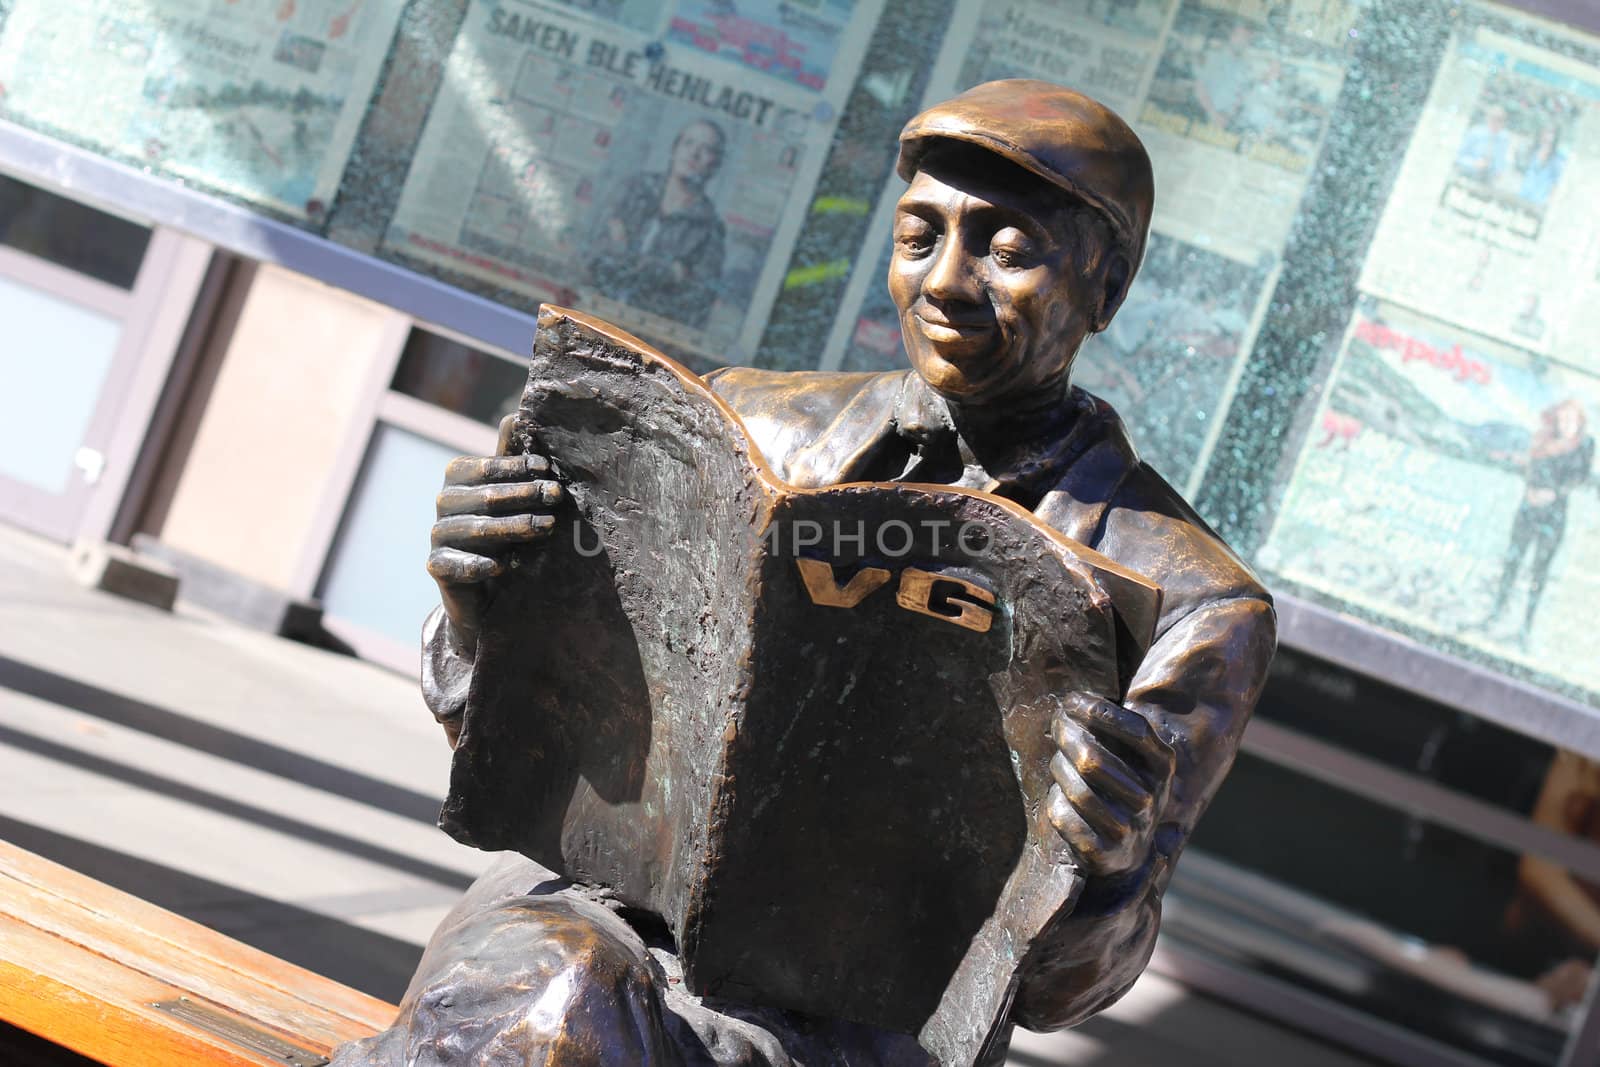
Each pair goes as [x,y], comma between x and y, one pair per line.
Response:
[1172,358]
[793,40]
[1498,200]
[258,99]
[1102,48]
[644,16]
[661,187]
[1236,114]
[1449,484]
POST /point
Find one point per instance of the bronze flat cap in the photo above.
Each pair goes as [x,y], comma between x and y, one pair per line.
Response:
[1064,137]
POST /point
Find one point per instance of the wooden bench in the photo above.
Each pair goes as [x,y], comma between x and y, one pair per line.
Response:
[122,982]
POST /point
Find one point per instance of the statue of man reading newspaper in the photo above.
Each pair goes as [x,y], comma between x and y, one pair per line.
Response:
[1022,228]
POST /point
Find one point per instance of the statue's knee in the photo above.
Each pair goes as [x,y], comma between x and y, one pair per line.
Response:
[539,980]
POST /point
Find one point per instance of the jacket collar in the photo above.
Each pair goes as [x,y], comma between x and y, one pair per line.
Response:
[922,417]
[882,431]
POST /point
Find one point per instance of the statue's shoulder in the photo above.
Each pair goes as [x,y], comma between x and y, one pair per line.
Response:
[1150,527]
[789,410]
[1147,506]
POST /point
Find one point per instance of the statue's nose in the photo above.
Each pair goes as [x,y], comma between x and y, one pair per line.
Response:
[953,274]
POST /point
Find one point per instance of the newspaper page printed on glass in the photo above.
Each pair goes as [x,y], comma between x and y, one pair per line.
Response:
[1229,183]
[257,99]
[1448,483]
[641,15]
[1499,195]
[572,157]
[794,41]
[1236,115]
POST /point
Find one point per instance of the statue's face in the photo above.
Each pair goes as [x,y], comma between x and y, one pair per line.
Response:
[993,305]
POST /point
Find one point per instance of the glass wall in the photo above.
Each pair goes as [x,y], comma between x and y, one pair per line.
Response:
[59,351]
[55,362]
[70,234]
[374,576]
[74,327]
[459,378]
[1363,338]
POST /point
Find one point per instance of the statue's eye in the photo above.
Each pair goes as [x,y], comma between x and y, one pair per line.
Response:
[1011,249]
[913,237]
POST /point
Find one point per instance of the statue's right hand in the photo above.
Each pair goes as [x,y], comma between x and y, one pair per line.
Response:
[489,507]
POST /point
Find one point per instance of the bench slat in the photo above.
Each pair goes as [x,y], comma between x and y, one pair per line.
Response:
[81,964]
[98,1009]
[130,928]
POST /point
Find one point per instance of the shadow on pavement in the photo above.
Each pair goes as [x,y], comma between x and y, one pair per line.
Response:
[215,802]
[215,741]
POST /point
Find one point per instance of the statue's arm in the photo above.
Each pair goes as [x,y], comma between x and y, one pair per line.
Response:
[1196,688]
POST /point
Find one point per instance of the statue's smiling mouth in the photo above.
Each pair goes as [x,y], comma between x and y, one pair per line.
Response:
[946,329]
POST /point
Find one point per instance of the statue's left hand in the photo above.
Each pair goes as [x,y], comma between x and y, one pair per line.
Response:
[1112,777]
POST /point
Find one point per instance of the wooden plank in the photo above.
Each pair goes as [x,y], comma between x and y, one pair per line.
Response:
[171,964]
[168,947]
[82,964]
[98,1009]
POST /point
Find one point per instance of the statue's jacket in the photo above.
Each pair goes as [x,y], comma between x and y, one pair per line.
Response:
[1197,684]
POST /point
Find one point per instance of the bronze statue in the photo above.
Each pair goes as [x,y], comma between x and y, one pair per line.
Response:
[1022,228]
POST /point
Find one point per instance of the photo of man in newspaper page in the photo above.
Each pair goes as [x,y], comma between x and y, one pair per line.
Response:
[1514,151]
[259,99]
[657,188]
[1499,195]
[1237,112]
[1448,483]
[795,40]
[661,244]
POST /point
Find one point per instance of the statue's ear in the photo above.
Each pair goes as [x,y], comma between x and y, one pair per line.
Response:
[1117,274]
